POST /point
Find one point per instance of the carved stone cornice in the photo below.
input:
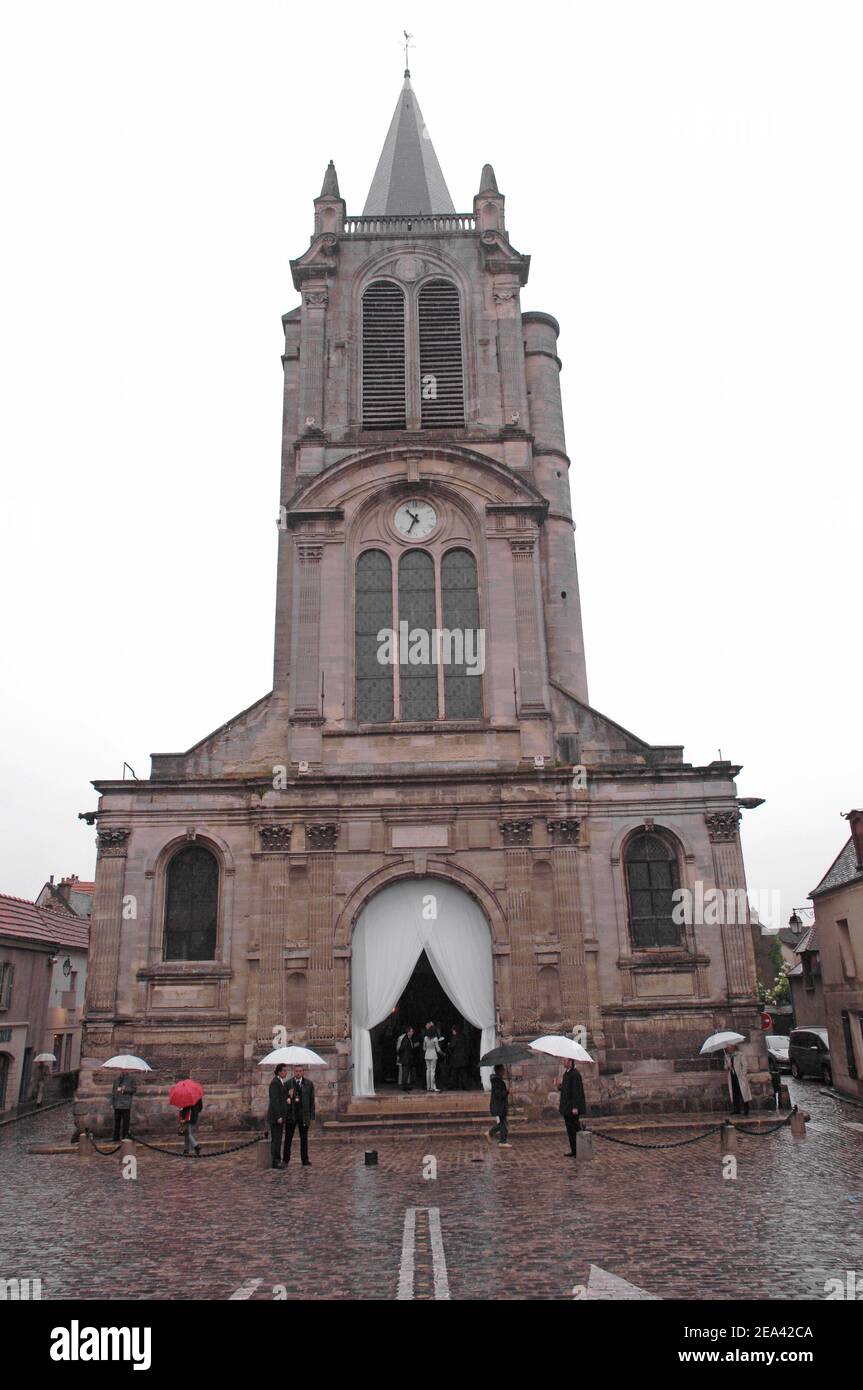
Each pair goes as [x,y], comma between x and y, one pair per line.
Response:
[318,262]
[564,832]
[722,825]
[516,832]
[502,259]
[112,843]
[522,549]
[275,839]
[322,835]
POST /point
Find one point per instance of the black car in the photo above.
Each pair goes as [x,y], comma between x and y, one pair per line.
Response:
[809,1053]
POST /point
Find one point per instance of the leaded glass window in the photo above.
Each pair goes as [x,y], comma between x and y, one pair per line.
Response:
[651,878]
[191,905]
[417,678]
[460,603]
[374,612]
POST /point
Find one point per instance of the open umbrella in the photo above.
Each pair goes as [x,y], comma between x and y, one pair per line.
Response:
[124,1061]
[184,1093]
[294,1056]
[507,1053]
[556,1045]
[717,1041]
[45,1057]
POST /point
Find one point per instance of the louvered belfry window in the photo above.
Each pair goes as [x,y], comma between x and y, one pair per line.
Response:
[441,375]
[374,611]
[462,693]
[191,906]
[384,396]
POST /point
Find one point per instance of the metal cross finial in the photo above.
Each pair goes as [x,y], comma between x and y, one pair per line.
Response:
[408,45]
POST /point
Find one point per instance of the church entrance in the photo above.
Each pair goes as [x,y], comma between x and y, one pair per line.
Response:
[425,1001]
[420,953]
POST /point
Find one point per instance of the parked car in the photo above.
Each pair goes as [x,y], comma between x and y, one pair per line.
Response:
[809,1054]
[777,1051]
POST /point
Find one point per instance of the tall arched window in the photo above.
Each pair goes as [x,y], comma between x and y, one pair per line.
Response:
[460,603]
[191,905]
[441,372]
[417,678]
[384,397]
[651,878]
[374,611]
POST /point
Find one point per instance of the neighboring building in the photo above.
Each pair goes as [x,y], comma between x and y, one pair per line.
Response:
[266,877]
[838,903]
[807,992]
[41,1002]
[71,894]
[790,938]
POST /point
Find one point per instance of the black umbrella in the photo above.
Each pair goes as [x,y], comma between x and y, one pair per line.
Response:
[509,1052]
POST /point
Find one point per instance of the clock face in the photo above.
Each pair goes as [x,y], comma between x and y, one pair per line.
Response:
[416,520]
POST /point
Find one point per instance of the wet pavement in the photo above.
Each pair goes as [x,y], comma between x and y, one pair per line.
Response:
[491,1224]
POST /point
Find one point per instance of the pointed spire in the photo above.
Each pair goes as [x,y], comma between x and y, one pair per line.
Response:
[408,178]
[330,186]
[488,182]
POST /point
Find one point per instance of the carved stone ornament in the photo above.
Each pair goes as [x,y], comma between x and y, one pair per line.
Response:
[317,299]
[516,832]
[112,843]
[409,268]
[564,832]
[504,296]
[722,825]
[275,839]
[322,836]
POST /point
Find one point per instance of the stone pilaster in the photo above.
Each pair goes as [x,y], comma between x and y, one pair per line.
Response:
[312,358]
[107,922]
[728,872]
[517,835]
[530,663]
[574,985]
[307,696]
[321,1009]
[275,874]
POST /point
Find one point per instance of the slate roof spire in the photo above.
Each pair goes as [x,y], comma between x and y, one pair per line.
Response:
[408,178]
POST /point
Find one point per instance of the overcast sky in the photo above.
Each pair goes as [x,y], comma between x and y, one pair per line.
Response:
[686,179]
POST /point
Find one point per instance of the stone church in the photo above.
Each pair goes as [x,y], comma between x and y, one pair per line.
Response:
[425,807]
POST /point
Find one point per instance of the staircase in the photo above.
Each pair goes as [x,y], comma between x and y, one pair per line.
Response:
[415,1114]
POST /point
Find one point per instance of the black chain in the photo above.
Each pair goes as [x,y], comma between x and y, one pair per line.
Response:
[763,1133]
[631,1144]
[172,1153]
[103,1153]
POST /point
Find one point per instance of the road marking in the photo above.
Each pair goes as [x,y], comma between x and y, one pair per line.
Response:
[246,1290]
[407,1264]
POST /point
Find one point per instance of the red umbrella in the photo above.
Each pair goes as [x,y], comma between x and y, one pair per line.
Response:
[185,1093]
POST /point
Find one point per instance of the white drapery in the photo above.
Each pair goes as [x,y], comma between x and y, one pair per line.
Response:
[392,931]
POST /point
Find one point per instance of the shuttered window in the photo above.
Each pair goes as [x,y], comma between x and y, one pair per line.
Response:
[374,611]
[417,680]
[441,374]
[383,357]
[462,693]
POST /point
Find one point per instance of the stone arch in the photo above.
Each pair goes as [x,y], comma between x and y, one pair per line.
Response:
[369,887]
[221,851]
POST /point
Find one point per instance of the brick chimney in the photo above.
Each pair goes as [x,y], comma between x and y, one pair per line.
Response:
[855,820]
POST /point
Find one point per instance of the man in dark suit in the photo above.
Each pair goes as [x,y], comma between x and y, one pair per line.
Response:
[301,1112]
[277,1113]
[572,1104]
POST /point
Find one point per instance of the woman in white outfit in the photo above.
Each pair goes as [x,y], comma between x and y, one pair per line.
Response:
[431,1052]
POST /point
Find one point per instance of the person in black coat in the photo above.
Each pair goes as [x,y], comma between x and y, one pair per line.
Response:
[406,1057]
[499,1106]
[277,1114]
[301,1112]
[572,1104]
[459,1057]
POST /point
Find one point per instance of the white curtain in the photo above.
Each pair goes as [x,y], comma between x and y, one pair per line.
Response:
[391,933]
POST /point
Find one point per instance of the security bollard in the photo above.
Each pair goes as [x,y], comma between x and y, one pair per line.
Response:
[264,1159]
[584,1144]
[728,1139]
[84,1147]
[798,1123]
[371,1158]
[127,1149]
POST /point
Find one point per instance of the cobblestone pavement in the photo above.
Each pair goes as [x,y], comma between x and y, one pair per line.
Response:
[522,1223]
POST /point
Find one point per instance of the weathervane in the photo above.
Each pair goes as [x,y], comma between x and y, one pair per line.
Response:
[408,45]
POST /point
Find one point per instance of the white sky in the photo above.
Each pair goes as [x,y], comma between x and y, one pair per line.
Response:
[686,178]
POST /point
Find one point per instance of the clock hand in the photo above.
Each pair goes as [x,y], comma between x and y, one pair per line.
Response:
[414,521]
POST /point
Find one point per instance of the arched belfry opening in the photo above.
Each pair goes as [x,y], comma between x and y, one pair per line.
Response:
[423,946]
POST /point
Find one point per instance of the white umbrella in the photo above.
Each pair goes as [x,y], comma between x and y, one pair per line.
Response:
[717,1041]
[126,1062]
[556,1045]
[45,1057]
[294,1056]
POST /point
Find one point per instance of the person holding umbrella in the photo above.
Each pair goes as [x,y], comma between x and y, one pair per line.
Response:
[188,1096]
[738,1079]
[572,1104]
[499,1107]
[122,1094]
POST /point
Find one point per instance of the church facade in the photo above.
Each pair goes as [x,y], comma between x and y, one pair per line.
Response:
[428,725]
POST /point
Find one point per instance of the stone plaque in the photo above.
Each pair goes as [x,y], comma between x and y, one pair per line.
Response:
[183,996]
[664,982]
[419,836]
